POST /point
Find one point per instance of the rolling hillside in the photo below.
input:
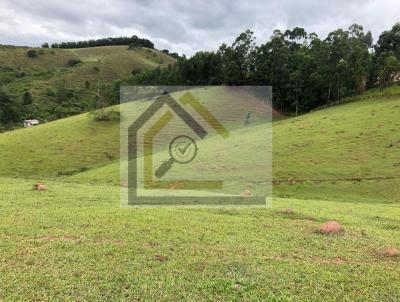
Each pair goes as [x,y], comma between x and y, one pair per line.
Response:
[344,152]
[78,143]
[70,77]
[347,152]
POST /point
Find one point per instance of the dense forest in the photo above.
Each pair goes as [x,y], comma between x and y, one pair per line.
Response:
[304,70]
[133,41]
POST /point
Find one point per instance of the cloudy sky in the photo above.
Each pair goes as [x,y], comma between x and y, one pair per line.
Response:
[185,26]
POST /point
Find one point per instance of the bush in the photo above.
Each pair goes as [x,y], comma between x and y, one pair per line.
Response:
[50,92]
[10,112]
[31,53]
[73,62]
[64,94]
[102,115]
[136,71]
[27,98]
[72,171]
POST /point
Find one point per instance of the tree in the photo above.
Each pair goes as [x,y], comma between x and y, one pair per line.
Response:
[238,59]
[9,111]
[389,42]
[388,70]
[27,98]
[31,53]
[45,45]
[304,70]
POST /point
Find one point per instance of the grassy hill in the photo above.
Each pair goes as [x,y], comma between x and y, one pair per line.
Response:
[81,71]
[347,152]
[350,151]
[77,143]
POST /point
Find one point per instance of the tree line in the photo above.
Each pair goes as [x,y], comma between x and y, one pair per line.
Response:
[133,42]
[304,70]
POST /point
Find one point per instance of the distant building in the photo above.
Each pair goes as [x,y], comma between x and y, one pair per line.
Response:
[30,123]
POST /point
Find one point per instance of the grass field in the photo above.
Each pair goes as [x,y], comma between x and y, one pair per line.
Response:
[74,241]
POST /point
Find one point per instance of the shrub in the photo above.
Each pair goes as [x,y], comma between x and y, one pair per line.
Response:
[27,98]
[73,62]
[136,71]
[102,115]
[50,92]
[64,94]
[72,171]
[31,53]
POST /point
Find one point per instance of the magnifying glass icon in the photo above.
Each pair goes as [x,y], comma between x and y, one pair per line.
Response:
[182,149]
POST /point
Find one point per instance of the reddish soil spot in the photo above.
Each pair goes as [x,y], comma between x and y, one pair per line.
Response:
[246,193]
[40,186]
[331,227]
[288,211]
[161,258]
[390,252]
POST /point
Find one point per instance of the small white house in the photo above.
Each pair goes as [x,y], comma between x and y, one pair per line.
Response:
[30,123]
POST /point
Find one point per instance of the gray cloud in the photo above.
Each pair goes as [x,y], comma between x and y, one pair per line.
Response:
[184,26]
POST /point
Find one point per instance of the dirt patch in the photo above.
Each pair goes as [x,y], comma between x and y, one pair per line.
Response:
[58,238]
[312,259]
[123,184]
[110,241]
[292,180]
[288,211]
[246,193]
[152,244]
[292,214]
[330,260]
[39,186]
[161,258]
[390,252]
[331,228]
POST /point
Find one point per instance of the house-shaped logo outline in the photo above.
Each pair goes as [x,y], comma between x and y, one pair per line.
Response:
[133,129]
